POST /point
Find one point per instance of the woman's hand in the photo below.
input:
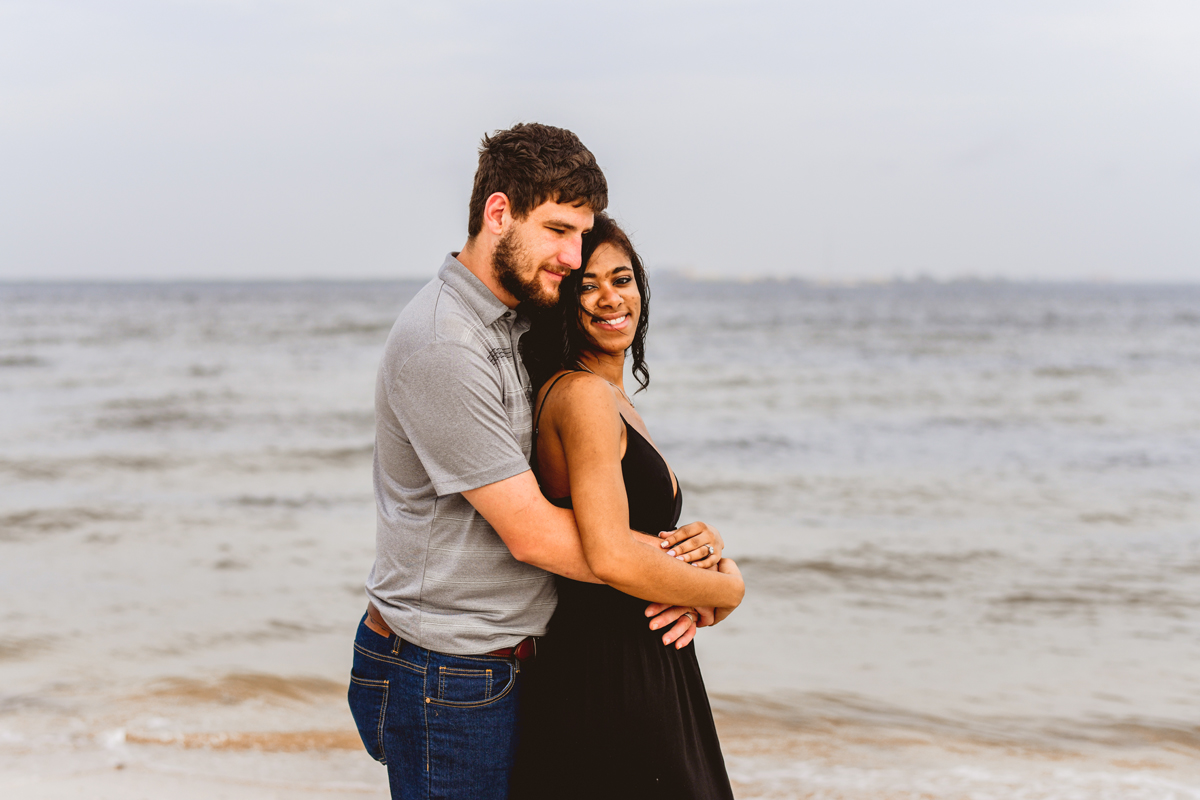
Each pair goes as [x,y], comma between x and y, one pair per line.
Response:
[685,618]
[696,543]
[727,566]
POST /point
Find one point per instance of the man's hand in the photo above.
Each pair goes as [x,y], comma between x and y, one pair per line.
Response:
[684,618]
[696,543]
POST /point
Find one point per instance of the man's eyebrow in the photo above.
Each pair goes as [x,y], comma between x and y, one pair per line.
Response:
[562,223]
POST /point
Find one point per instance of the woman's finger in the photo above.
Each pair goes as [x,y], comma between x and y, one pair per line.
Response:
[672,538]
[686,639]
[669,615]
[696,550]
[654,609]
[690,544]
[684,625]
[696,546]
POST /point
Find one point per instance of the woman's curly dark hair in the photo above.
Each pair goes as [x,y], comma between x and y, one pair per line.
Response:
[555,339]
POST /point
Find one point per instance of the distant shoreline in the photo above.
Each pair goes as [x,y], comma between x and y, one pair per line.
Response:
[662,274]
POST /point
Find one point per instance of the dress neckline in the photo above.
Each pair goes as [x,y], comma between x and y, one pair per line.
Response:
[674,478]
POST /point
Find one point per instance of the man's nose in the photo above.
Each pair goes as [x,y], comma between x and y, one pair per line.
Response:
[571,254]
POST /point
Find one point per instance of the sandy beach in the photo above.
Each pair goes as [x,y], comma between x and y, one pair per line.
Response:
[170,742]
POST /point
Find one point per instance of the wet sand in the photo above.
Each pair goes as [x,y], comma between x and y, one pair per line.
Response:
[254,735]
[764,762]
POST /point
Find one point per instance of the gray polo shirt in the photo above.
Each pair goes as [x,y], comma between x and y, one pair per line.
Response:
[452,414]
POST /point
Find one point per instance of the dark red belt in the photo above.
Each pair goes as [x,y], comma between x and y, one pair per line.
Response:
[523,650]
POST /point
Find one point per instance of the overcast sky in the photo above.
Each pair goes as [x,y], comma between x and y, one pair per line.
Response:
[843,140]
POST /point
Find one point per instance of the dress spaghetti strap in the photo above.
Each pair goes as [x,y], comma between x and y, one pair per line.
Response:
[537,420]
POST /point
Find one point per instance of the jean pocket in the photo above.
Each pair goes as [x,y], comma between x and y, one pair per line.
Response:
[463,685]
[368,705]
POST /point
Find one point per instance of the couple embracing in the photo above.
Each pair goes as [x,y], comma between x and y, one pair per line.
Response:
[508,648]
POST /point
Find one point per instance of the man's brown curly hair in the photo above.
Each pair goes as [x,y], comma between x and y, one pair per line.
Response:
[533,163]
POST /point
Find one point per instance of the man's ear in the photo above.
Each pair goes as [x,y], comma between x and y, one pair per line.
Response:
[496,213]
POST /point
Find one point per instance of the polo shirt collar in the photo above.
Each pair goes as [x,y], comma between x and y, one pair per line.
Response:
[479,297]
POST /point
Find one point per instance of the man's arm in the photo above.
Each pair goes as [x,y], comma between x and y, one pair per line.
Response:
[535,531]
[538,532]
[544,535]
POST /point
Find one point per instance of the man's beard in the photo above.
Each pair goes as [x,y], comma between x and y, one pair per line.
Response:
[508,257]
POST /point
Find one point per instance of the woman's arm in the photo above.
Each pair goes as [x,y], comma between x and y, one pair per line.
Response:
[588,423]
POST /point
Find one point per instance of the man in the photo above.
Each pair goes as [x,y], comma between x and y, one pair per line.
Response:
[465,542]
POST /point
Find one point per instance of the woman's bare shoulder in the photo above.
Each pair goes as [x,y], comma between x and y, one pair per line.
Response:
[579,396]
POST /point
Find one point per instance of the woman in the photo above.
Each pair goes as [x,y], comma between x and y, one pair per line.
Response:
[610,712]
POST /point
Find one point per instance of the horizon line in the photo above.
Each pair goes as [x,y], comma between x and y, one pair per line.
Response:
[683,275]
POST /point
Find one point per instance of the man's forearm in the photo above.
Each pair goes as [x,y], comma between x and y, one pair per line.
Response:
[535,531]
[555,547]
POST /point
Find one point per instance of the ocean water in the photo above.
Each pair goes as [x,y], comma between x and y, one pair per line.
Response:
[968,515]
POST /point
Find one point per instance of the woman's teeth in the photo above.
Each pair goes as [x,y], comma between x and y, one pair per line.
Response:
[616,321]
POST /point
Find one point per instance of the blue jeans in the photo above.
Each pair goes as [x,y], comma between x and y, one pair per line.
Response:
[445,726]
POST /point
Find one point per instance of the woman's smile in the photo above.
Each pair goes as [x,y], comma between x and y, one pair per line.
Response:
[616,323]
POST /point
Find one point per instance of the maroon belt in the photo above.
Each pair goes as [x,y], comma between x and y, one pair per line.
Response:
[523,650]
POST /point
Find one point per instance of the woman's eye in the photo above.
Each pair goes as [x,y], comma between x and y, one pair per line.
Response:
[622,281]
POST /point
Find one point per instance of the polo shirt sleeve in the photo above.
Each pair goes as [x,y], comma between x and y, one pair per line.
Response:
[449,400]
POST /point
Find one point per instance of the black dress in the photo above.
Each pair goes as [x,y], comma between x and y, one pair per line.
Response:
[608,711]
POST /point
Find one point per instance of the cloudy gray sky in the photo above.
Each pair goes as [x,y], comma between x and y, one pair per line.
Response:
[850,140]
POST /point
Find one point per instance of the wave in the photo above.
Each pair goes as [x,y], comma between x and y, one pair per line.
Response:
[304,501]
[275,630]
[351,328]
[338,455]
[22,361]
[242,687]
[834,714]
[1002,589]
[46,468]
[17,648]
[1079,599]
[58,468]
[19,524]
[258,741]
[161,413]
[866,564]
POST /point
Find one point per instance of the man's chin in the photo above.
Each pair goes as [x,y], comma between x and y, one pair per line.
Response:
[550,298]
[543,300]
[537,291]
[543,296]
